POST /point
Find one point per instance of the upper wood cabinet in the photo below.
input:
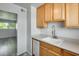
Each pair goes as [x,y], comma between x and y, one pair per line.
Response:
[54,12]
[49,12]
[59,11]
[72,17]
[41,17]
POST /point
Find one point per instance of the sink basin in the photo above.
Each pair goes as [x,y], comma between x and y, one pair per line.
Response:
[52,40]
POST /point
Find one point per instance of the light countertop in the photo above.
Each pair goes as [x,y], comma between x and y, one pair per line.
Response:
[66,44]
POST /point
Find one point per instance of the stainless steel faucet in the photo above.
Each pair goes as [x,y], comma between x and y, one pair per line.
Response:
[53,32]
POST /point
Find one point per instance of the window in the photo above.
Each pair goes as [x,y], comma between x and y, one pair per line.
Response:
[7,20]
[7,25]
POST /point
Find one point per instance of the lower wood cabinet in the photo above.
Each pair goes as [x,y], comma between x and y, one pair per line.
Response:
[68,53]
[52,53]
[43,51]
[49,50]
[40,48]
[52,50]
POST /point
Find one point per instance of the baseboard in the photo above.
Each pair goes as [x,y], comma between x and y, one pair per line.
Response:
[29,53]
[20,54]
[24,53]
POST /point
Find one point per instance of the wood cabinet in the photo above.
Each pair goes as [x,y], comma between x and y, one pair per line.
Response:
[54,12]
[59,11]
[43,51]
[49,12]
[40,48]
[49,50]
[41,17]
[68,53]
[72,15]
[52,50]
[51,53]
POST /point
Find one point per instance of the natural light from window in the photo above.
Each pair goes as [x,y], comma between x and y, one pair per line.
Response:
[7,25]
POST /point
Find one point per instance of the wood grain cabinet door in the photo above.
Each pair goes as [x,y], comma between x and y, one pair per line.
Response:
[41,17]
[52,53]
[48,12]
[68,53]
[59,11]
[49,50]
[54,12]
[43,51]
[72,18]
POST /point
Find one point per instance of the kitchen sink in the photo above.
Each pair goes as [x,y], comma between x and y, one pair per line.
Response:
[52,40]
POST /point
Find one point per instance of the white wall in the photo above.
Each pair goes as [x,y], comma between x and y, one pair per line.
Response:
[34,29]
[22,33]
[21,25]
[29,41]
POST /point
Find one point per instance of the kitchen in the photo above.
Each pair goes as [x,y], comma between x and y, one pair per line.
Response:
[39,29]
[54,29]
[42,29]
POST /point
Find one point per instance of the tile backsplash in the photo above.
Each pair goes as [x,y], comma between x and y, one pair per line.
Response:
[61,30]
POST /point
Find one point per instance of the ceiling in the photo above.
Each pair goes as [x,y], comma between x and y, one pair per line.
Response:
[36,4]
[26,5]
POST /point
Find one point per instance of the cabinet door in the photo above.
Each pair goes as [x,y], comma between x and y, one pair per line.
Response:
[41,17]
[72,15]
[59,12]
[49,50]
[48,12]
[52,53]
[68,53]
[35,47]
[43,51]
